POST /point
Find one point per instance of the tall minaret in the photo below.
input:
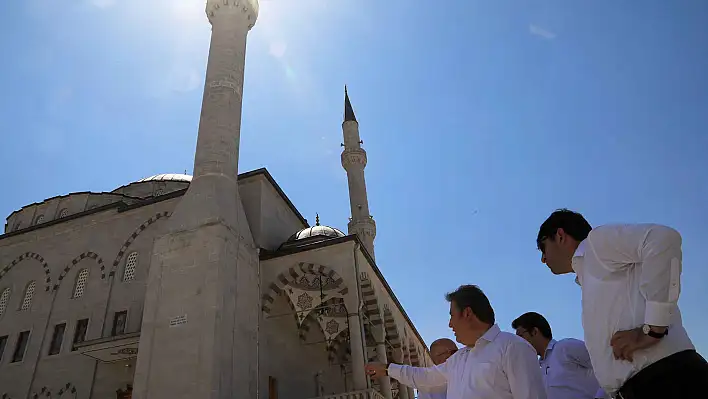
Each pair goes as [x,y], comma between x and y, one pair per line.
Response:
[200,322]
[354,162]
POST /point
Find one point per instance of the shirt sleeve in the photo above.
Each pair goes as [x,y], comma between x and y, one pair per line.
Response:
[601,394]
[520,363]
[656,251]
[419,377]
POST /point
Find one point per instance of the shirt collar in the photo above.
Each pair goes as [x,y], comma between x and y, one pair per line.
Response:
[577,262]
[550,346]
[491,334]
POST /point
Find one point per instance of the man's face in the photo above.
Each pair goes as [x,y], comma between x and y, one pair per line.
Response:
[531,336]
[460,323]
[556,254]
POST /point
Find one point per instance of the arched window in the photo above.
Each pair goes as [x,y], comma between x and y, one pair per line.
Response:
[63,213]
[29,293]
[4,297]
[130,263]
[80,283]
[39,219]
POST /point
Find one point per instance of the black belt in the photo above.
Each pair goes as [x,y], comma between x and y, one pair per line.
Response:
[655,373]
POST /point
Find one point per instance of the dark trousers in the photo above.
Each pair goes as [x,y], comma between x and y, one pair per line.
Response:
[681,375]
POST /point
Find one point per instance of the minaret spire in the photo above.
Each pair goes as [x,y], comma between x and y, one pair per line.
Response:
[354,161]
[348,110]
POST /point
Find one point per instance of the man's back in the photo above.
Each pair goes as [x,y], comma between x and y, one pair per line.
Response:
[616,266]
[567,370]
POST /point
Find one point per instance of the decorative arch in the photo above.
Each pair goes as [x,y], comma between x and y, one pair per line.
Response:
[67,388]
[391,328]
[371,302]
[30,255]
[90,255]
[294,275]
[129,241]
[44,392]
[413,354]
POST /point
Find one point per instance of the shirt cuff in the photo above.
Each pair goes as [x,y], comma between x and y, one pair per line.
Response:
[394,370]
[659,313]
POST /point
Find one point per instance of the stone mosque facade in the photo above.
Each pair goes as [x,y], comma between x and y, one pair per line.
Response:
[204,286]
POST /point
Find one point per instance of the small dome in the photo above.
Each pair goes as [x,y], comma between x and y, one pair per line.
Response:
[312,233]
[167,177]
[315,231]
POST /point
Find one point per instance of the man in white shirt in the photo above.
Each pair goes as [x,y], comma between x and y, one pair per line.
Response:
[492,365]
[630,280]
[440,350]
[565,364]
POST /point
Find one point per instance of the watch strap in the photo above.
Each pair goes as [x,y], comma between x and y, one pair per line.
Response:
[657,335]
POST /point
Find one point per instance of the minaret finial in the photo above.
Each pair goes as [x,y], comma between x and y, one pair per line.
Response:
[348,110]
[317,219]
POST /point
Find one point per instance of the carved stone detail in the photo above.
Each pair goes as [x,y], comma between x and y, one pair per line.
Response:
[354,156]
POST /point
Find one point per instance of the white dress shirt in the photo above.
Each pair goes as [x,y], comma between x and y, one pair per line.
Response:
[567,370]
[630,276]
[499,366]
[432,393]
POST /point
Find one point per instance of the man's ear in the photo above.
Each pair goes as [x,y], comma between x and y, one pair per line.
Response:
[467,313]
[560,235]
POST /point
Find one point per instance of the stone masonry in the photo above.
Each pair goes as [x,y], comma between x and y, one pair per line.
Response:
[200,325]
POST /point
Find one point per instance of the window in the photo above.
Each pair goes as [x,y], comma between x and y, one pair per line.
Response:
[119,320]
[57,339]
[63,213]
[80,331]
[3,344]
[80,283]
[29,293]
[4,297]
[39,219]
[130,264]
[21,346]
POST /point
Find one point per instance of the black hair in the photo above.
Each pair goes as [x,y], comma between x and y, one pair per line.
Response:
[573,223]
[530,320]
[471,296]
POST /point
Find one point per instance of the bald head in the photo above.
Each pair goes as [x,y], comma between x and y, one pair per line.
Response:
[441,349]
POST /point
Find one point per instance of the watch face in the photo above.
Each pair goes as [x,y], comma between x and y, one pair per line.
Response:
[646,329]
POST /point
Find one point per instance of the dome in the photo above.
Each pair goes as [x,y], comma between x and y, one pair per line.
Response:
[167,177]
[314,232]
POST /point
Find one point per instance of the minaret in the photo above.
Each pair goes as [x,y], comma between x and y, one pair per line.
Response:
[354,162]
[200,321]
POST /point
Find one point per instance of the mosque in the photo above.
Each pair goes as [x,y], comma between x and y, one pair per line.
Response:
[204,286]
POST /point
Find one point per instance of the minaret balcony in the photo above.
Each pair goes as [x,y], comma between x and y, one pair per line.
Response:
[353,157]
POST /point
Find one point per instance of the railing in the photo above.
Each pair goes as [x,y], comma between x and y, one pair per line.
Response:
[365,394]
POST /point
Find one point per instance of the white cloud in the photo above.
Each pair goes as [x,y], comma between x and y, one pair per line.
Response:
[538,31]
[103,3]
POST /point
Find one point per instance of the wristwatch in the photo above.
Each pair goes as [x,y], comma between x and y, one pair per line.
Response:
[646,329]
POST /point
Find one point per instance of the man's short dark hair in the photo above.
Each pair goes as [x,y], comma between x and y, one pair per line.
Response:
[471,296]
[573,223]
[529,320]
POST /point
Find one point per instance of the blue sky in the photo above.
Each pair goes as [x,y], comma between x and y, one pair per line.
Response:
[479,118]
